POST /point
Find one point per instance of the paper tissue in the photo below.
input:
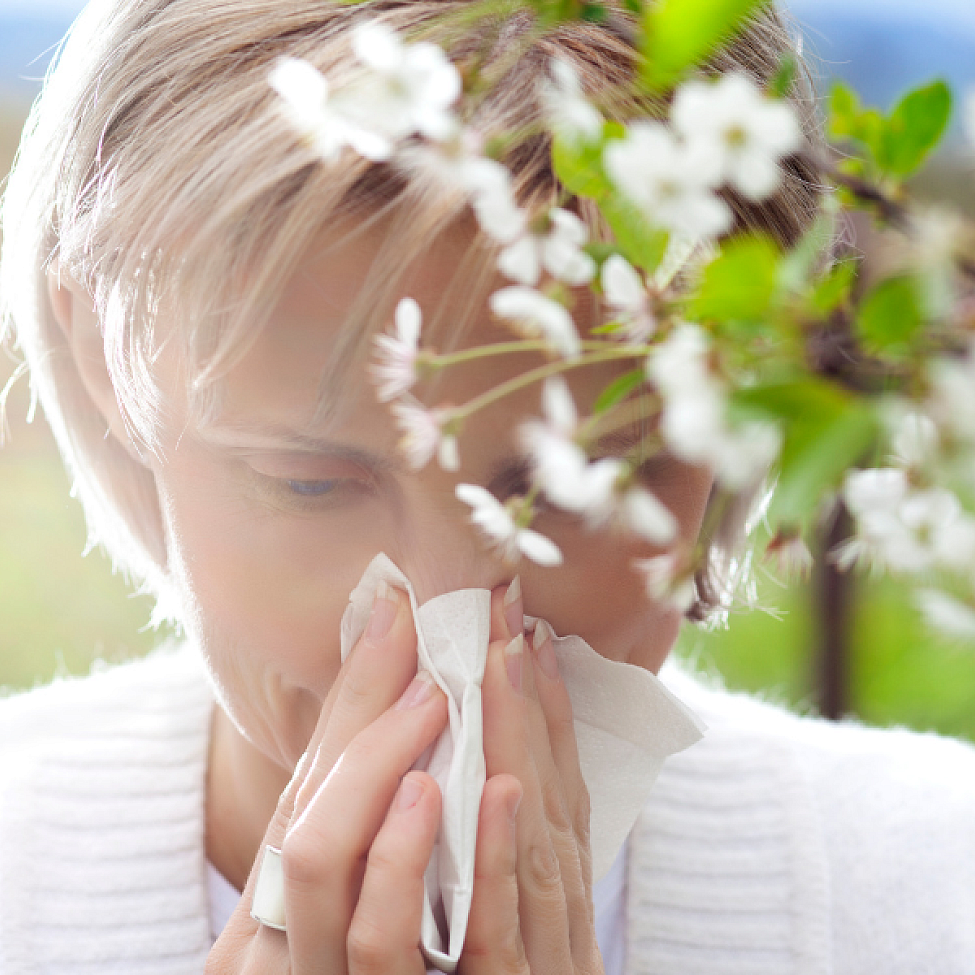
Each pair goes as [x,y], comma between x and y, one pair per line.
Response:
[626,724]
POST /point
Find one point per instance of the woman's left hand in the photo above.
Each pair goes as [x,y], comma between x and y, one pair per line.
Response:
[532,910]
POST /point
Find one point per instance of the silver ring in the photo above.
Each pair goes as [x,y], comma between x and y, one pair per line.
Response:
[267,904]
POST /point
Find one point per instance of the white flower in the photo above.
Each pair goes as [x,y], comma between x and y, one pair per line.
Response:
[644,514]
[952,402]
[626,294]
[915,440]
[423,436]
[493,199]
[906,529]
[535,315]
[876,489]
[409,88]
[672,184]
[694,423]
[745,131]
[572,116]
[395,371]
[560,466]
[660,575]
[558,250]
[319,118]
[590,489]
[945,613]
[497,523]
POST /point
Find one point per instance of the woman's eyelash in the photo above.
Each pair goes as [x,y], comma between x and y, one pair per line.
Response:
[311,489]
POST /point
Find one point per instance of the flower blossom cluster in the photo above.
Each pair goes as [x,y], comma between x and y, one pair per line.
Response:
[404,100]
[695,423]
[723,133]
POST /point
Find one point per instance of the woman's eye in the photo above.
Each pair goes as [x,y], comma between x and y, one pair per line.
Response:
[312,489]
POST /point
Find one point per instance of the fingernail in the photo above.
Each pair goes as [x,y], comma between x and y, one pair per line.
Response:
[514,614]
[513,656]
[544,650]
[383,611]
[511,805]
[419,691]
[408,794]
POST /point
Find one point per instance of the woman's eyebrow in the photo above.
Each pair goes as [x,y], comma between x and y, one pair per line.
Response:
[247,436]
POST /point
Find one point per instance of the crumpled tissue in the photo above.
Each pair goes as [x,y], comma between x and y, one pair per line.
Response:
[626,724]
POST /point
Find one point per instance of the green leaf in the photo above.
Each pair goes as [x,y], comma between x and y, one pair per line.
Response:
[618,390]
[848,119]
[914,128]
[642,244]
[890,317]
[825,431]
[781,83]
[843,119]
[834,288]
[740,282]
[679,34]
[579,168]
[816,456]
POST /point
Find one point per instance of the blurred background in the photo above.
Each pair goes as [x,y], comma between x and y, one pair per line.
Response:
[61,610]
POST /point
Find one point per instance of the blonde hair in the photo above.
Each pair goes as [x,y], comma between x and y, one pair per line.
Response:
[157,170]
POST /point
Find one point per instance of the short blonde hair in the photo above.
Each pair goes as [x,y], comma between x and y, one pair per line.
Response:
[158,170]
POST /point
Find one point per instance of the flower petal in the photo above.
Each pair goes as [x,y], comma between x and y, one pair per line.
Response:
[538,548]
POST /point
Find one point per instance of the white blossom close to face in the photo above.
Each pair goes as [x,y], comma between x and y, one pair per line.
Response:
[671,183]
[409,88]
[695,424]
[571,115]
[745,131]
[591,489]
[320,118]
[493,199]
[423,436]
[394,371]
[906,529]
[502,531]
[663,584]
[627,296]
[558,250]
[534,315]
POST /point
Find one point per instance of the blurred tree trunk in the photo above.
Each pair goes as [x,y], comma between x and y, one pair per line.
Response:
[833,593]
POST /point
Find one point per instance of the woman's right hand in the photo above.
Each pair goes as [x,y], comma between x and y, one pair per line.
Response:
[355,827]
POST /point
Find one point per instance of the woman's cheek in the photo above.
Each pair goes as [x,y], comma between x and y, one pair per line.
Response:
[268,585]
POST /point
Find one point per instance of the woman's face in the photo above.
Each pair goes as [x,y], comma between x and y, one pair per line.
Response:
[272,516]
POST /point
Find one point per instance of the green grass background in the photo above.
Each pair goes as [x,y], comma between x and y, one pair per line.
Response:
[60,611]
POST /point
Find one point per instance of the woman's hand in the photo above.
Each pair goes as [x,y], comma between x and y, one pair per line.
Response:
[354,829]
[532,912]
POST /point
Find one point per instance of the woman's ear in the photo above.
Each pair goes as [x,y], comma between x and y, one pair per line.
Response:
[74,311]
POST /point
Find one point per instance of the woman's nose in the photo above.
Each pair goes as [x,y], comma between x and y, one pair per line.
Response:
[440,551]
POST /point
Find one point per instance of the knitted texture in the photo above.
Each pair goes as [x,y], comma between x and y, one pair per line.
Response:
[101,823]
[778,844]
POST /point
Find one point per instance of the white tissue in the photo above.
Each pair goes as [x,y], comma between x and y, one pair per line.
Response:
[626,724]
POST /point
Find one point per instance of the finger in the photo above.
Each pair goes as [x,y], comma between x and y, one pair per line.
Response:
[324,851]
[372,678]
[564,793]
[507,749]
[493,943]
[384,935]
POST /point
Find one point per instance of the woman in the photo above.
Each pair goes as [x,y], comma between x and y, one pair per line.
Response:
[196,295]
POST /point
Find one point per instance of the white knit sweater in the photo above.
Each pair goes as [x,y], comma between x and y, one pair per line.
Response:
[778,845]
